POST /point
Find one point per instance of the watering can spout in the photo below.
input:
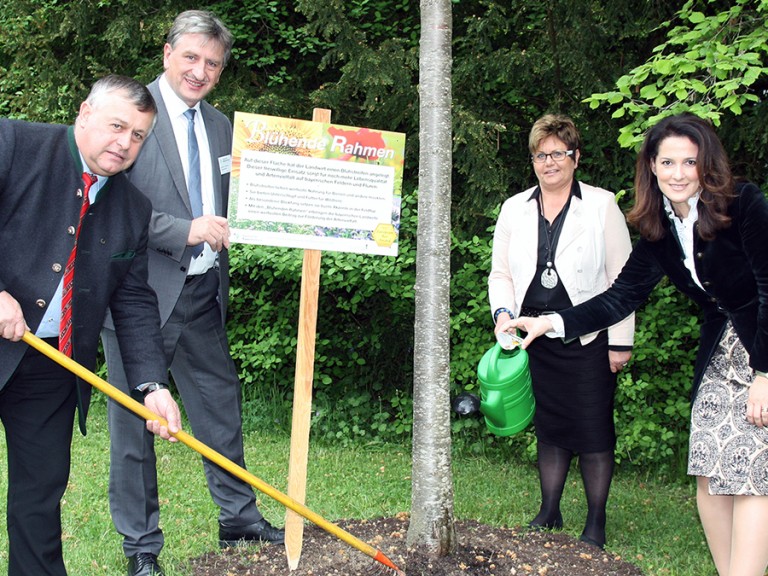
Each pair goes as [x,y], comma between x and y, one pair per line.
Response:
[506,391]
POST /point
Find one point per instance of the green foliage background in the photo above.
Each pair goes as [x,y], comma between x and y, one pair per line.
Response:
[513,61]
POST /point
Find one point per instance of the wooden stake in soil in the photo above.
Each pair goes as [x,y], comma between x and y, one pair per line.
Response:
[302,391]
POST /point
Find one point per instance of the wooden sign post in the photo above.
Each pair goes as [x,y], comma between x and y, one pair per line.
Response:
[302,391]
[320,187]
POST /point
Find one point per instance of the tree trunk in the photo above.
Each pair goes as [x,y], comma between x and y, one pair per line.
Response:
[432,524]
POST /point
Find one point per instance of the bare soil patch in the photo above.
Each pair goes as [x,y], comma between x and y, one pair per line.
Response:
[482,551]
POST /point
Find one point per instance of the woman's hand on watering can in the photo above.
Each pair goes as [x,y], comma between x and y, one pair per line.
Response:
[534,327]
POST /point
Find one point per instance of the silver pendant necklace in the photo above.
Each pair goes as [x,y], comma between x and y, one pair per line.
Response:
[549,278]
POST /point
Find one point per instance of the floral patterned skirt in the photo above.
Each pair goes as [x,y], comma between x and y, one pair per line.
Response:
[724,447]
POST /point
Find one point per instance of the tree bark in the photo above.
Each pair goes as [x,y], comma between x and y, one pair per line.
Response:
[432,522]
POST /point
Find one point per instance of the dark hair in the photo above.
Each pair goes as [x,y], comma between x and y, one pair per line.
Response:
[711,165]
[201,22]
[557,125]
[134,90]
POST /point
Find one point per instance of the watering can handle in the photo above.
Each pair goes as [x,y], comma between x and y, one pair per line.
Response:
[493,359]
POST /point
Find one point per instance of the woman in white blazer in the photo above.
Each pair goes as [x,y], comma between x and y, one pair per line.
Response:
[556,245]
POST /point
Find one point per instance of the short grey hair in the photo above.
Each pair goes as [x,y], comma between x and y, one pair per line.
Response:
[205,23]
[134,91]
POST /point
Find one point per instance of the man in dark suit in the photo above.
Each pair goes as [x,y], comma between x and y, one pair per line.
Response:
[184,170]
[64,261]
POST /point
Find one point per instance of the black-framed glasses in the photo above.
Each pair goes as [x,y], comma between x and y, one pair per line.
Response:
[557,156]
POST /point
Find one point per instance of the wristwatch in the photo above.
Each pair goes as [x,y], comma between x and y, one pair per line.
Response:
[141,391]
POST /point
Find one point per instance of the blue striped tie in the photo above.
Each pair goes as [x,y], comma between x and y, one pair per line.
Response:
[193,185]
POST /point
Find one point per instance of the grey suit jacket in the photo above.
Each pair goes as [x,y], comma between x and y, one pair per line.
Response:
[159,175]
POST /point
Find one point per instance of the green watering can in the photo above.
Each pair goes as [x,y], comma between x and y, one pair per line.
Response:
[506,393]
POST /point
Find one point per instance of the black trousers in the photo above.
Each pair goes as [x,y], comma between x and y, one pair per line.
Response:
[37,407]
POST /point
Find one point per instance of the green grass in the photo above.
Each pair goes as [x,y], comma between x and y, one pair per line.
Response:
[651,523]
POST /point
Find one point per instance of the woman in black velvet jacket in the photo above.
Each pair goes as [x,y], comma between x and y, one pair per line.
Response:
[709,235]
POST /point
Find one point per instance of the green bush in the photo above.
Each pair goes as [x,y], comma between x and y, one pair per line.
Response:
[653,397]
[364,343]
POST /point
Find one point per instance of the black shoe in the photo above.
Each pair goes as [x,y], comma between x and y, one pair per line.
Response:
[587,540]
[261,531]
[555,523]
[144,564]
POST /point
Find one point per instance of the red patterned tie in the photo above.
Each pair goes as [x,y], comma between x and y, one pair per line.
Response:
[65,327]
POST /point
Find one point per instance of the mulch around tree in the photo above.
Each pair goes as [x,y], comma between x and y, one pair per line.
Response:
[482,551]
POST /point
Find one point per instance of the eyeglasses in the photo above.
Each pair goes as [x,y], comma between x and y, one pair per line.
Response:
[557,156]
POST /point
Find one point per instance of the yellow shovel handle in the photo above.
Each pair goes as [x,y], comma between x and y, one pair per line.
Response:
[218,459]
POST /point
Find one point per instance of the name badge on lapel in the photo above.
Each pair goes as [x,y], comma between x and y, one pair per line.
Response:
[225,164]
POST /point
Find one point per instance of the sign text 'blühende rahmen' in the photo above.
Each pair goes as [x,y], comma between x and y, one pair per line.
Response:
[314,185]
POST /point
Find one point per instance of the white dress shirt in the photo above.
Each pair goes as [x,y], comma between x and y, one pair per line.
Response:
[176,109]
[684,228]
